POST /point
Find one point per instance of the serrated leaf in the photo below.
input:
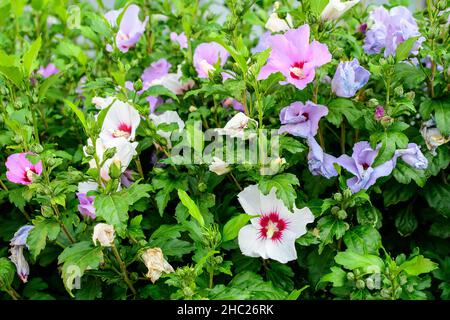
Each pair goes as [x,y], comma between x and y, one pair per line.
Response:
[438,197]
[404,174]
[337,277]
[113,209]
[353,260]
[442,116]
[418,265]
[363,239]
[136,192]
[283,183]
[159,90]
[37,238]
[330,227]
[7,271]
[403,49]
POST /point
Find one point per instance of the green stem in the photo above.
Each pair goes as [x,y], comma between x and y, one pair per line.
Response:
[3,185]
[61,223]
[343,137]
[211,279]
[123,267]
[139,167]
[235,181]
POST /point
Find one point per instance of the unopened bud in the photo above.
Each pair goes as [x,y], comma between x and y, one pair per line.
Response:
[138,85]
[360,284]
[399,91]
[370,283]
[36,148]
[350,276]
[192,109]
[342,214]
[109,153]
[337,196]
[335,209]
[90,150]
[115,170]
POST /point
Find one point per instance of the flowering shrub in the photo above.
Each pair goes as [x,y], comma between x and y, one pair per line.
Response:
[167,150]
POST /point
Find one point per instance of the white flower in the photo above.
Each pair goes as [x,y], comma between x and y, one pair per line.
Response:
[125,151]
[167,117]
[235,127]
[336,8]
[103,233]
[85,187]
[218,166]
[156,264]
[276,24]
[172,81]
[102,103]
[273,234]
[121,121]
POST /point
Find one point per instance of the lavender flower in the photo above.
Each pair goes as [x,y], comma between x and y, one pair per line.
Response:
[18,242]
[180,38]
[320,163]
[349,78]
[48,70]
[206,55]
[412,156]
[302,120]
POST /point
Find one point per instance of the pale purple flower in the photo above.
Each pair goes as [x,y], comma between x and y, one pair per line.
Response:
[295,57]
[48,70]
[412,156]
[127,179]
[156,70]
[302,120]
[154,102]
[206,55]
[130,29]
[180,38]
[18,242]
[230,102]
[389,29]
[20,169]
[320,163]
[360,165]
[263,43]
[379,113]
[86,206]
[349,78]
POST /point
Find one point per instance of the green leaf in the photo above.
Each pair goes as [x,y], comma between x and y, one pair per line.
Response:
[418,265]
[232,227]
[7,271]
[438,197]
[330,227]
[159,90]
[353,260]
[363,239]
[317,6]
[403,49]
[291,145]
[29,58]
[68,49]
[17,7]
[283,183]
[403,173]
[192,207]
[43,229]
[50,81]
[13,74]
[397,192]
[337,277]
[113,209]
[78,258]
[405,221]
[340,107]
[442,116]
[136,192]
[78,113]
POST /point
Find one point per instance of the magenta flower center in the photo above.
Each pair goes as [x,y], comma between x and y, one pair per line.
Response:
[123,130]
[272,226]
[29,174]
[365,166]
[296,70]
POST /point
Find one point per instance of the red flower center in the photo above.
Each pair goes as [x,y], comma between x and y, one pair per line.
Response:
[272,226]
[296,70]
[123,130]
[365,166]
[28,174]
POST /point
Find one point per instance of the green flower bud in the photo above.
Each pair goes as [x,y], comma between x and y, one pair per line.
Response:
[218,260]
[337,196]
[350,276]
[36,148]
[356,272]
[47,211]
[373,103]
[386,121]
[188,292]
[202,187]
[335,209]
[403,279]
[360,284]
[115,170]
[385,293]
[410,288]
[370,283]
[90,150]
[192,109]
[51,162]
[347,193]
[138,85]
[134,276]
[109,153]
[410,95]
[399,91]
[342,214]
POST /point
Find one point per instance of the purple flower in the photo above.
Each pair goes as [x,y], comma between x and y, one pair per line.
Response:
[206,55]
[180,38]
[17,243]
[379,113]
[389,29]
[127,179]
[263,43]
[295,57]
[360,165]
[349,78]
[233,103]
[320,163]
[302,120]
[86,206]
[156,70]
[48,71]
[130,29]
[21,170]
[154,102]
[412,156]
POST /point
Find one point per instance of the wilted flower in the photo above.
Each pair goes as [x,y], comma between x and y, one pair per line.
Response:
[360,165]
[218,166]
[413,156]
[349,78]
[389,29]
[156,264]
[231,102]
[86,206]
[121,121]
[48,70]
[104,234]
[272,234]
[276,24]
[320,163]
[17,243]
[180,38]
[336,8]
[302,120]
[127,178]
[206,55]
[379,113]
[20,169]
[295,57]
[236,126]
[432,136]
[130,29]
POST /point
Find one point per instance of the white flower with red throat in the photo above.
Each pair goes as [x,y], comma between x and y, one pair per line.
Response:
[272,234]
[121,121]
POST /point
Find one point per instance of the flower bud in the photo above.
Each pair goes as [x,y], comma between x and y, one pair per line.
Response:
[335,209]
[90,150]
[36,148]
[337,196]
[156,264]
[360,284]
[347,193]
[342,214]
[370,283]
[192,109]
[104,233]
[115,170]
[219,167]
[202,187]
[109,153]
[379,113]
[399,91]
[386,121]
[350,276]
[47,211]
[138,85]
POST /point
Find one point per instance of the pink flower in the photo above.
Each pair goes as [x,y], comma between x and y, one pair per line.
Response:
[20,169]
[48,71]
[295,57]
[130,29]
[206,55]
[180,38]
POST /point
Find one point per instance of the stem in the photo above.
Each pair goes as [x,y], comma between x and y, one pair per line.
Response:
[211,279]
[343,137]
[3,185]
[63,227]
[139,167]
[235,181]
[123,267]
[388,89]
[13,293]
